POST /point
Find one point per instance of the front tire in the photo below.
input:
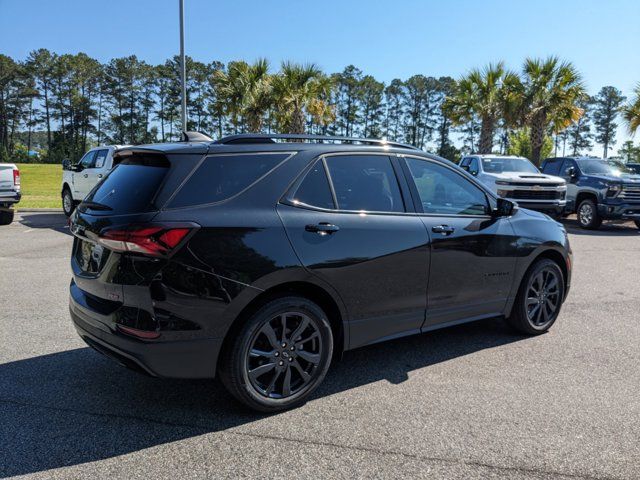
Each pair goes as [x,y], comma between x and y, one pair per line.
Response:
[588,216]
[279,356]
[68,204]
[539,298]
[6,217]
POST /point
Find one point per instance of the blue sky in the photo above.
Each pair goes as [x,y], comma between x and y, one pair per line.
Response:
[387,39]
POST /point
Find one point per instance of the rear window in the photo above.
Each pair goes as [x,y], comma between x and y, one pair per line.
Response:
[220,177]
[130,187]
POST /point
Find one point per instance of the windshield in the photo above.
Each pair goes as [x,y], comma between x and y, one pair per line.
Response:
[600,167]
[499,165]
[620,168]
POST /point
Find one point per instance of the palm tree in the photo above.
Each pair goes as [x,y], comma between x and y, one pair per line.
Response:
[552,92]
[631,111]
[300,89]
[246,92]
[490,94]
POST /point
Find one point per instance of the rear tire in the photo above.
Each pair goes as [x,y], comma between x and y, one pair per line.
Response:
[539,298]
[6,217]
[279,356]
[588,216]
[68,204]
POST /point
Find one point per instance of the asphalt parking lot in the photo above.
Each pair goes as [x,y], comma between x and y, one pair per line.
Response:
[474,401]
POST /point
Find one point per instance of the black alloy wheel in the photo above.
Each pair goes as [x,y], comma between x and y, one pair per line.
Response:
[284,355]
[539,298]
[543,297]
[279,356]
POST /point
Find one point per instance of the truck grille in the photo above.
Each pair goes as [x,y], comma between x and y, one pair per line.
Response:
[535,195]
[630,194]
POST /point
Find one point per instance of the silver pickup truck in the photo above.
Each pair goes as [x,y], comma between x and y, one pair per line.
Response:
[9,191]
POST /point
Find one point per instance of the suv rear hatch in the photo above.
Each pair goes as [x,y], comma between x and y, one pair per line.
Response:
[116,242]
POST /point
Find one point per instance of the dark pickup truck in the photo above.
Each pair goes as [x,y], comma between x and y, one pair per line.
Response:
[596,190]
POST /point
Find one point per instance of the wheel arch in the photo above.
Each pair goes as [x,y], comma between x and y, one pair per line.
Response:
[305,289]
[552,254]
[585,195]
[66,185]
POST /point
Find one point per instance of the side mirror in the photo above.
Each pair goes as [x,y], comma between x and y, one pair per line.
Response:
[571,171]
[66,163]
[504,208]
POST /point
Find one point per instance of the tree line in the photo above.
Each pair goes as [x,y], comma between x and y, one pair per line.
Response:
[65,104]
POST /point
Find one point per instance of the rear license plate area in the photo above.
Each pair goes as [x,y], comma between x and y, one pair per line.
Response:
[90,256]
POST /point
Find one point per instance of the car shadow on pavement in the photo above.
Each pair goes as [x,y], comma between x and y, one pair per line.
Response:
[53,221]
[76,406]
[607,229]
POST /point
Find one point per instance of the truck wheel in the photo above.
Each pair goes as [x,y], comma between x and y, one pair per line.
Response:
[588,216]
[68,205]
[6,217]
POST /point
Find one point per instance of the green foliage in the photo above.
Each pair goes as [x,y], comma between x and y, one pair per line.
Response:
[520,144]
[61,105]
[631,111]
[607,105]
[629,152]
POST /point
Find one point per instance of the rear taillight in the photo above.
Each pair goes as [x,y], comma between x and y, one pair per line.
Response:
[154,240]
[16,177]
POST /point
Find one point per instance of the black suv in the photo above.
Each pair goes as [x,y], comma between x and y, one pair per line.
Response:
[597,190]
[259,258]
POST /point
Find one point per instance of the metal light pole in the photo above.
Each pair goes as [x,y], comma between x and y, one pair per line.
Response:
[183,70]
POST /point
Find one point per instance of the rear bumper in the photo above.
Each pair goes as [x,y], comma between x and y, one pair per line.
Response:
[9,198]
[193,358]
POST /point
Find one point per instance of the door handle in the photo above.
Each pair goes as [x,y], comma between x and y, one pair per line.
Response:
[443,229]
[99,175]
[86,175]
[322,228]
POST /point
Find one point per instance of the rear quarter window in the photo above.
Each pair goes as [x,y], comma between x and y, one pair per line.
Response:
[220,177]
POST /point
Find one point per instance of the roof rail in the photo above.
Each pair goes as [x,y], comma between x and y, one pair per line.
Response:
[195,137]
[271,138]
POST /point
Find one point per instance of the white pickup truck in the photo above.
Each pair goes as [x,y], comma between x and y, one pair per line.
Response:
[9,191]
[517,179]
[78,179]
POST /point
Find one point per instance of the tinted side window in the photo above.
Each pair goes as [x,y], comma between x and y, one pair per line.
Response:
[443,191]
[89,160]
[566,166]
[552,167]
[473,167]
[220,177]
[314,189]
[465,162]
[365,182]
[101,156]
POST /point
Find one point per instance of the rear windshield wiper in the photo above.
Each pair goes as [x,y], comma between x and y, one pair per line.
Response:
[95,206]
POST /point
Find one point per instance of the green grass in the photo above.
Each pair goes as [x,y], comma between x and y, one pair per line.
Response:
[40,185]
